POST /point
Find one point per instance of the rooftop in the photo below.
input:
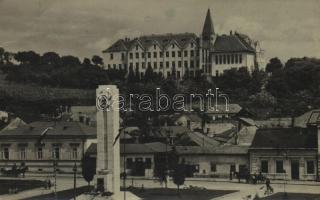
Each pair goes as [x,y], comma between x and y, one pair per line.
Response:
[285,138]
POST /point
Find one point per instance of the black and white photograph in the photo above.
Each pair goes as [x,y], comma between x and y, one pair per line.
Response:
[159,100]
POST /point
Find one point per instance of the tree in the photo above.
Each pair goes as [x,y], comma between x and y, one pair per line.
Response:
[70,61]
[148,77]
[97,60]
[179,175]
[137,75]
[86,62]
[273,65]
[50,58]
[27,57]
[88,168]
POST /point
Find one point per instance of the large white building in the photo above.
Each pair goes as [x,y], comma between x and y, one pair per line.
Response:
[209,53]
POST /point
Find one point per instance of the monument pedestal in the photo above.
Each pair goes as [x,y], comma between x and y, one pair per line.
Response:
[108,149]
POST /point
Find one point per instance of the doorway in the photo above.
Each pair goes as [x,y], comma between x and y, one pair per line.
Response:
[295,169]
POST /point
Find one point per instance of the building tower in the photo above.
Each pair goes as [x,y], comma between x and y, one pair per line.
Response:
[208,38]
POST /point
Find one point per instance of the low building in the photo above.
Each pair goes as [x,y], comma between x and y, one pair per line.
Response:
[141,159]
[285,153]
[39,144]
[217,162]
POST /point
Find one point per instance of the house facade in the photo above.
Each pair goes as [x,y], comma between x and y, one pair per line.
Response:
[184,53]
[285,153]
[39,144]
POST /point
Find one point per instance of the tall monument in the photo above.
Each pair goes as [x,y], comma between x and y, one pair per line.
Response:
[108,153]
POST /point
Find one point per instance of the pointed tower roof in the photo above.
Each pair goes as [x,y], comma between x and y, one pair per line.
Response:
[208,29]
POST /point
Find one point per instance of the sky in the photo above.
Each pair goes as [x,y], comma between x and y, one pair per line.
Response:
[285,29]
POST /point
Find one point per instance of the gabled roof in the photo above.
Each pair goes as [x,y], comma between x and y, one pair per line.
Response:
[162,40]
[285,138]
[147,148]
[60,129]
[231,43]
[220,150]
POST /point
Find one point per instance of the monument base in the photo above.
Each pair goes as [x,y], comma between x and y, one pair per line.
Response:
[104,183]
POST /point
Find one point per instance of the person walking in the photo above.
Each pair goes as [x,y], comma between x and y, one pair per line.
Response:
[268,185]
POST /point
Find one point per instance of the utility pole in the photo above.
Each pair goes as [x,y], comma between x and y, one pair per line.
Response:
[55,178]
[74,180]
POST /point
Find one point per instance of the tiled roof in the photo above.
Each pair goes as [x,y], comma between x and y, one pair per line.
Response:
[285,138]
[222,149]
[61,128]
[162,40]
[147,148]
[223,43]
[231,43]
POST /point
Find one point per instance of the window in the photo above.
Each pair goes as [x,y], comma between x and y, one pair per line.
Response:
[191,64]
[154,54]
[220,59]
[240,58]
[74,153]
[137,65]
[264,166]
[216,59]
[213,167]
[137,47]
[224,59]
[129,163]
[185,53]
[232,59]
[130,65]
[161,65]
[179,54]
[149,64]
[137,55]
[155,65]
[109,66]
[167,54]
[56,153]
[154,46]
[228,59]
[191,53]
[172,45]
[178,74]
[111,56]
[185,64]
[198,52]
[173,54]
[122,56]
[142,54]
[167,64]
[168,74]
[149,54]
[22,153]
[130,55]
[179,64]
[40,153]
[279,166]
[143,65]
[196,168]
[114,66]
[310,167]
[120,66]
[161,54]
[236,59]
[173,64]
[5,153]
[191,44]
[148,163]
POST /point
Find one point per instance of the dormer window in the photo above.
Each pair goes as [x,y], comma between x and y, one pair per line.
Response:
[137,47]
[191,44]
[172,45]
[154,46]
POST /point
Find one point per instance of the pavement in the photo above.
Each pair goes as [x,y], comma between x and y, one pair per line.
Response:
[244,190]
